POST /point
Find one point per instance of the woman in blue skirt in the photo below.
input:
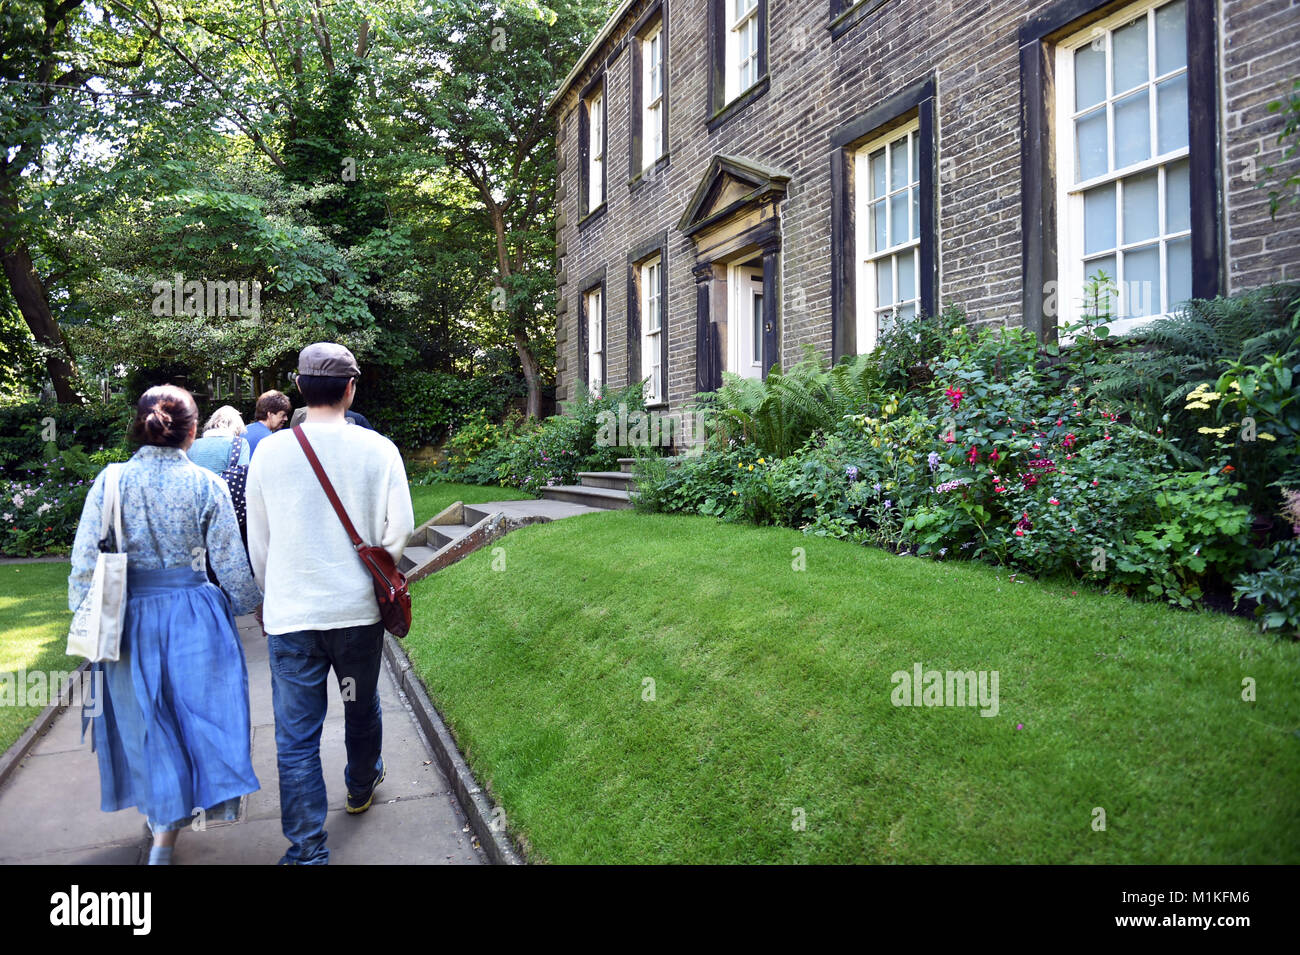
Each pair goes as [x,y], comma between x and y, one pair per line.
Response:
[173,735]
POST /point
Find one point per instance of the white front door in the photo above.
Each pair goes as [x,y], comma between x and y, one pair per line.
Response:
[745,338]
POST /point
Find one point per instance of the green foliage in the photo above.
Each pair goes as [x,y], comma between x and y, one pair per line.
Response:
[563,445]
[901,359]
[1289,139]
[92,426]
[1275,590]
[1175,354]
[1197,532]
[477,448]
[39,515]
[418,408]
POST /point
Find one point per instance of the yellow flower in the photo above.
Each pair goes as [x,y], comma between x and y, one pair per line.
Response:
[1199,405]
[734,493]
[751,467]
[1206,431]
[1235,386]
[740,465]
[1265,436]
[761,461]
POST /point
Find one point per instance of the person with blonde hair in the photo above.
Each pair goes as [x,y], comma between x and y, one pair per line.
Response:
[216,447]
[172,737]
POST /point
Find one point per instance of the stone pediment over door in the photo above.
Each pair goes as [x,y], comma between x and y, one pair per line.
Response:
[734,194]
[733,220]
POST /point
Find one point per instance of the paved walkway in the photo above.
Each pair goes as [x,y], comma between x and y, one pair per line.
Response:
[49,807]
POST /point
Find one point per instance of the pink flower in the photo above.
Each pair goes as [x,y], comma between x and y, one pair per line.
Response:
[1019,532]
[993,455]
[955,396]
[1053,501]
[973,455]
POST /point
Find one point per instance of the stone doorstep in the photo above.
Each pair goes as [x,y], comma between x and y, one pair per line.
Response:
[600,497]
[613,480]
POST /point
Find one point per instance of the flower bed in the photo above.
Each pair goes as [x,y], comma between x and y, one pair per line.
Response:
[1016,455]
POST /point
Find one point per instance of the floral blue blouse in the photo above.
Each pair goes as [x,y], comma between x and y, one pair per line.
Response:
[170,508]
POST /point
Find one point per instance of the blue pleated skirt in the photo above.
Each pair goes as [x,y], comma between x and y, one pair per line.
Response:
[173,734]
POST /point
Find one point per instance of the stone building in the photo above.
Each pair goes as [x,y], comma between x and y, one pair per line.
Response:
[739,178]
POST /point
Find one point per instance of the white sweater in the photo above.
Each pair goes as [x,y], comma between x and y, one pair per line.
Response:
[301,556]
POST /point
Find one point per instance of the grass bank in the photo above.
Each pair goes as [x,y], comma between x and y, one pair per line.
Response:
[671,689]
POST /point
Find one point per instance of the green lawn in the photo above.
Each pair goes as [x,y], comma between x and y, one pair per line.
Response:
[428,500]
[34,622]
[772,697]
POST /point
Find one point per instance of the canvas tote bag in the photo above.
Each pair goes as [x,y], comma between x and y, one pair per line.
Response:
[96,631]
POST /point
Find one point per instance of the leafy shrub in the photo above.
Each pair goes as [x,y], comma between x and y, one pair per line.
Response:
[555,452]
[477,447]
[23,428]
[418,408]
[1276,589]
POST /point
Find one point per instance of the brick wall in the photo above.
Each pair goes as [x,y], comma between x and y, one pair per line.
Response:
[819,83]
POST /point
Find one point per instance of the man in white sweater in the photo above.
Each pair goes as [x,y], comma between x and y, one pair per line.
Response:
[319,609]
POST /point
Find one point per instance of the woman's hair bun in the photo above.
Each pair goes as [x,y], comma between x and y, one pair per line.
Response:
[164,416]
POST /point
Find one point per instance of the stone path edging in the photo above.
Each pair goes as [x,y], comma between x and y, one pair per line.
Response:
[11,757]
[474,802]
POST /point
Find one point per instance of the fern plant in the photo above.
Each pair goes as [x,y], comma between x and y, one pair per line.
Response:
[1197,344]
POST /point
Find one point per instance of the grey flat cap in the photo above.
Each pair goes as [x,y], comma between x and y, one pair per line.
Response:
[328,360]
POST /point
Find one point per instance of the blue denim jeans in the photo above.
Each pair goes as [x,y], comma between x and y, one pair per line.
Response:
[300,665]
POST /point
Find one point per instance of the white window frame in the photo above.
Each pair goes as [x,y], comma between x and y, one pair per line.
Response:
[652,329]
[739,75]
[595,341]
[652,96]
[596,150]
[868,312]
[1070,195]
[745,320]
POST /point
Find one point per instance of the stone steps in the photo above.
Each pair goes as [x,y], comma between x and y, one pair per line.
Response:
[441,535]
[614,480]
[601,497]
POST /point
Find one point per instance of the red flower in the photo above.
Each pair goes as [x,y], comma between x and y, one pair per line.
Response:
[954,395]
[1068,440]
[1019,532]
[993,455]
[973,455]
[1228,467]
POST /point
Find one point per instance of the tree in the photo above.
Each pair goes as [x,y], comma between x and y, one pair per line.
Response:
[481,78]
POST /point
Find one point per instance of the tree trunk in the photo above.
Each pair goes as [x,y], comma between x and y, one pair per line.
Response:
[532,374]
[29,294]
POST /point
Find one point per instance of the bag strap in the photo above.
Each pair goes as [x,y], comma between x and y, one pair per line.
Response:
[357,542]
[111,510]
